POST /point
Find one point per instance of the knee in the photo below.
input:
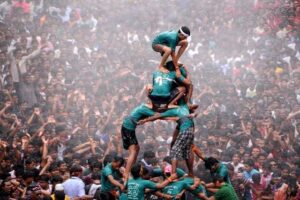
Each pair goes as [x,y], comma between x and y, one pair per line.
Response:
[184,43]
[167,50]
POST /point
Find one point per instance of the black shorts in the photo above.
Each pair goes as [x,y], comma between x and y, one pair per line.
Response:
[107,196]
[128,138]
[159,100]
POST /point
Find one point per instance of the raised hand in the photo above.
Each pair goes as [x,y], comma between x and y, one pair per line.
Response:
[7,104]
[44,140]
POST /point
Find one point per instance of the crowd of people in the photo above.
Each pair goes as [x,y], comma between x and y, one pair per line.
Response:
[72,70]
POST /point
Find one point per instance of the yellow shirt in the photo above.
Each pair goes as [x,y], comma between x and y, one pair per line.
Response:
[66,197]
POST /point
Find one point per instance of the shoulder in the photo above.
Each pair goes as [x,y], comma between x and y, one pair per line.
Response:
[107,170]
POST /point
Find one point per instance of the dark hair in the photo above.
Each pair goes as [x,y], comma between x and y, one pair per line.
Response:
[256,178]
[97,165]
[266,165]
[209,162]
[96,175]
[170,65]
[53,167]
[60,128]
[249,162]
[149,154]
[57,179]
[29,161]
[108,158]
[135,170]
[186,30]
[119,159]
[60,162]
[167,159]
[75,168]
[44,177]
[217,177]
[28,174]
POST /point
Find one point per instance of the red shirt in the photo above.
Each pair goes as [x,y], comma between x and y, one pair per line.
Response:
[24,5]
[257,189]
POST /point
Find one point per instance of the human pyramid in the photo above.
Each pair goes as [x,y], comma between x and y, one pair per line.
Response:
[169,99]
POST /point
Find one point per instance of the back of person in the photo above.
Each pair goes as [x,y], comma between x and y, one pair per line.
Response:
[226,192]
[175,188]
[136,188]
[74,187]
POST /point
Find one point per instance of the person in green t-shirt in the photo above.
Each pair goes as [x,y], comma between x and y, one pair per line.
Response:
[216,168]
[109,184]
[136,186]
[166,42]
[187,83]
[225,191]
[129,139]
[166,89]
[177,188]
[197,189]
[181,147]
[162,92]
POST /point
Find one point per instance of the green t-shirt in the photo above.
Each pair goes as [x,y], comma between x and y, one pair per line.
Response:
[226,192]
[136,188]
[199,189]
[168,38]
[182,111]
[162,83]
[185,123]
[137,114]
[123,196]
[106,185]
[159,172]
[223,171]
[174,188]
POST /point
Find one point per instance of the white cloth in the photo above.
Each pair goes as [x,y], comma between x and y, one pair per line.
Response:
[236,167]
[93,189]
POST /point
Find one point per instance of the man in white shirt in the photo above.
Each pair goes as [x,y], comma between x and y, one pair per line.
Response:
[74,186]
[236,163]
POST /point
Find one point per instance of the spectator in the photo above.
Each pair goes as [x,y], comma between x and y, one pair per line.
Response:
[63,97]
[74,186]
[225,190]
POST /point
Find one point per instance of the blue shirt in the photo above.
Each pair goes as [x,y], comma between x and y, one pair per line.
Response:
[248,175]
